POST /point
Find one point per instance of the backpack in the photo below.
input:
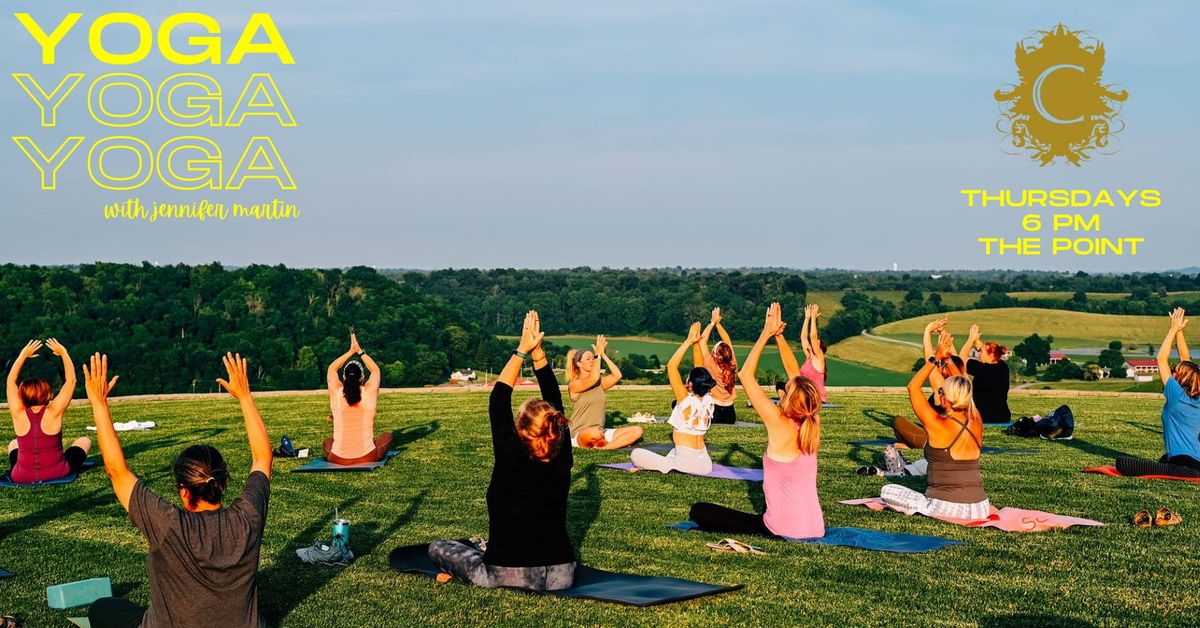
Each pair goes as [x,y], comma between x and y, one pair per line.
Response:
[1058,425]
[1024,426]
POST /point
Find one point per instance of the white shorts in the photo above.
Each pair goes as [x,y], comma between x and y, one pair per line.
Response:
[609,435]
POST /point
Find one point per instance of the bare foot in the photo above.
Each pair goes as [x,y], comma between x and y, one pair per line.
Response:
[444,577]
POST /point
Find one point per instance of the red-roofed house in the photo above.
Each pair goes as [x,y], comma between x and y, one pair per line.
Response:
[1142,370]
[1055,358]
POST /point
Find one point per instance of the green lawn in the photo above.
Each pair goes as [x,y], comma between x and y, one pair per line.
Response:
[434,489]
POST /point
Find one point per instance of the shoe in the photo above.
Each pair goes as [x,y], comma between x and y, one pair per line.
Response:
[332,553]
[479,542]
[285,449]
[893,461]
[1142,519]
[865,470]
[1165,517]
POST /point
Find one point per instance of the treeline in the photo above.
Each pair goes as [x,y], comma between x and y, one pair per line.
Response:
[614,302]
[1010,281]
[164,327]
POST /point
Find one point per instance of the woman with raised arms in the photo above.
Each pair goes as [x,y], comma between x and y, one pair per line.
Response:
[990,377]
[586,385]
[352,400]
[790,461]
[691,418]
[203,558]
[1180,413]
[814,352]
[955,438]
[36,455]
[722,365]
[527,546]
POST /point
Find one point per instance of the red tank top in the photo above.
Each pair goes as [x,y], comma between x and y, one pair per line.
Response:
[39,456]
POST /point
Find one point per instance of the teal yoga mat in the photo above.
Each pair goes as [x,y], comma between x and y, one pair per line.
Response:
[590,584]
[321,465]
[862,538]
[6,481]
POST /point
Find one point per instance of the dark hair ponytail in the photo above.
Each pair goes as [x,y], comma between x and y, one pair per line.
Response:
[352,381]
[701,380]
[202,471]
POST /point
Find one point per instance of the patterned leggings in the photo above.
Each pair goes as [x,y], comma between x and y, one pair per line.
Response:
[465,563]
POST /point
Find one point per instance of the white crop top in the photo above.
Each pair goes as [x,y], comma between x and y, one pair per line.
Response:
[693,415]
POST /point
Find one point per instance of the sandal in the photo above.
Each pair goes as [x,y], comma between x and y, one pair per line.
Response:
[8,621]
[1164,517]
[736,546]
[1142,519]
[865,470]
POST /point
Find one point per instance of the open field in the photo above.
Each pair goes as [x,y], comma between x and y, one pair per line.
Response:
[831,300]
[840,372]
[1011,325]
[1117,575]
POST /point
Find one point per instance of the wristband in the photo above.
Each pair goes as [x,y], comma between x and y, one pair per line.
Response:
[519,354]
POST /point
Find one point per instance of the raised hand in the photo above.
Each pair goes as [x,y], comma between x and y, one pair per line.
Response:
[937,326]
[945,347]
[601,346]
[773,325]
[238,383]
[815,311]
[56,347]
[716,316]
[694,333]
[1178,320]
[354,346]
[974,334]
[531,333]
[31,348]
[95,379]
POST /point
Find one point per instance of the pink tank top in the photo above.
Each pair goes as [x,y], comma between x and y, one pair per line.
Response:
[353,427]
[39,456]
[818,378]
[793,509]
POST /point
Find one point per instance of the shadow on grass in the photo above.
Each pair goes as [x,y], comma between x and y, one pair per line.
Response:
[583,506]
[288,582]
[1144,427]
[754,490]
[406,436]
[1100,451]
[72,504]
[879,417]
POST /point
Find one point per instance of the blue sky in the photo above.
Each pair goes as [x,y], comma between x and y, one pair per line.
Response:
[549,134]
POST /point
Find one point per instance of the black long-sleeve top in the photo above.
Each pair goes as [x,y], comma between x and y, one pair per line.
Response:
[527,499]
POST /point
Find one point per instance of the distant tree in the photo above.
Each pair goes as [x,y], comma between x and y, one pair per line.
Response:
[919,364]
[1035,351]
[1063,369]
[1112,357]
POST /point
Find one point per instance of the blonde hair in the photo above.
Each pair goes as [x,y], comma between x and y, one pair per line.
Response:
[539,426]
[959,395]
[801,404]
[574,357]
[1188,375]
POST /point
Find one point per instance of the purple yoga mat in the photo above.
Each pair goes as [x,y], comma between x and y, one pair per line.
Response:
[719,471]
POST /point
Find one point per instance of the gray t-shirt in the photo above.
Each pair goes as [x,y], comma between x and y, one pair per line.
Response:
[203,565]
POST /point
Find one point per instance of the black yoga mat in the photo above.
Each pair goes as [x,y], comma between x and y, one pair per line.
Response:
[590,584]
[884,442]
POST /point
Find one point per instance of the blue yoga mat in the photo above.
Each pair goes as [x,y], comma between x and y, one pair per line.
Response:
[321,465]
[862,538]
[6,574]
[590,583]
[719,471]
[6,481]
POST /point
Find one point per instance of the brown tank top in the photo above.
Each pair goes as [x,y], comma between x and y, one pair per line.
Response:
[588,409]
[950,480]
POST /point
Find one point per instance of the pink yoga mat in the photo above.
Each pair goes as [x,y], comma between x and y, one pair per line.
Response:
[1110,470]
[1007,519]
[718,471]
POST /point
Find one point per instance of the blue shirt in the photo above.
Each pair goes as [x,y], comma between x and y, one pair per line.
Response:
[1181,422]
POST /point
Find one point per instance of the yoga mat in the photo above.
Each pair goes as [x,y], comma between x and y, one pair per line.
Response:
[590,584]
[1007,519]
[82,622]
[861,538]
[884,442]
[831,405]
[998,424]
[719,471]
[321,465]
[658,448]
[6,574]
[1110,470]
[739,424]
[6,481]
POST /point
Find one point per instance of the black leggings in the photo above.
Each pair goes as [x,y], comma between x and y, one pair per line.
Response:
[1178,466]
[114,612]
[714,518]
[74,455]
[724,414]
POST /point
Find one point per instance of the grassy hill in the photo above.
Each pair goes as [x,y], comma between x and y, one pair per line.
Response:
[1011,325]
[831,300]
[435,488]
